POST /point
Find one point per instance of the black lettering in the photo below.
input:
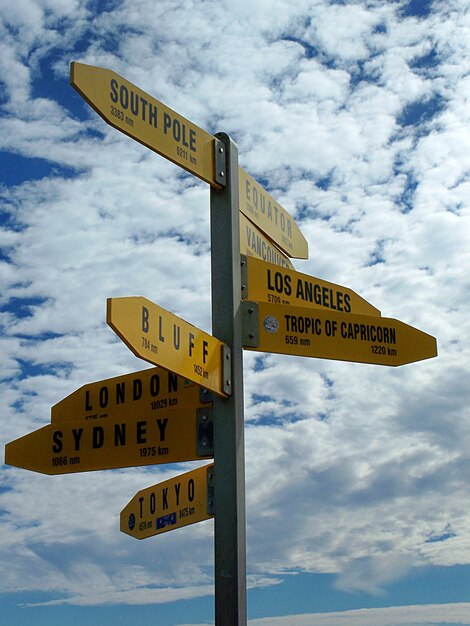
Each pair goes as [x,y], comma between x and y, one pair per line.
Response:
[134,104]
[77,435]
[184,142]
[308,295]
[339,301]
[120,393]
[191,489]
[287,318]
[145,319]
[204,351]
[136,389]
[114,95]
[268,276]
[57,439]
[152,115]
[172,382]
[153,506]
[141,432]
[192,140]
[287,285]
[155,385]
[317,294]
[176,336]
[124,97]
[165,498]
[177,493]
[176,131]
[119,435]
[166,122]
[104,397]
[144,107]
[98,437]
[88,406]
[162,424]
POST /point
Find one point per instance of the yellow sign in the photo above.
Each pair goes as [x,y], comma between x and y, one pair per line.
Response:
[131,396]
[254,243]
[162,338]
[173,436]
[174,503]
[328,335]
[135,113]
[268,283]
[269,216]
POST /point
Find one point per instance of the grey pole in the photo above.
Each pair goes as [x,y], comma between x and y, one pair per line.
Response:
[229,452]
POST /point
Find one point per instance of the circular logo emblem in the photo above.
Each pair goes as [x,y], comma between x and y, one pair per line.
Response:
[131,521]
[270,324]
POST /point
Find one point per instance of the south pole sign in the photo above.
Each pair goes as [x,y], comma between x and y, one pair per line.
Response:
[150,122]
[191,407]
[147,120]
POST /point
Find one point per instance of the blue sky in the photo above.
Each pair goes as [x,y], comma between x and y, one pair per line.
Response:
[355,116]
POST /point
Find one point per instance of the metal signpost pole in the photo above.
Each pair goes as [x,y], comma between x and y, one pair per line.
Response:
[229,461]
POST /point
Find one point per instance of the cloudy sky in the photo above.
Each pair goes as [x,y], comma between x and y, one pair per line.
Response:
[355,115]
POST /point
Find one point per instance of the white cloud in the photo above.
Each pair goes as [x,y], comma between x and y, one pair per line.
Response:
[391,616]
[357,455]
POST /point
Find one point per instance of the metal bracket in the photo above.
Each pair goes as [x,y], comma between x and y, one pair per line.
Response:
[205,395]
[205,432]
[210,490]
[244,276]
[226,370]
[250,333]
[220,162]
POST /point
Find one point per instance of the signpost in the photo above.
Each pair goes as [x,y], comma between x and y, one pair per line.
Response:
[162,338]
[264,282]
[172,436]
[328,335]
[144,394]
[137,114]
[174,503]
[169,415]
[253,243]
[270,217]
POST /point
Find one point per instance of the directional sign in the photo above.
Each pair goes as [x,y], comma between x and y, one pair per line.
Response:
[180,501]
[270,217]
[137,114]
[147,120]
[254,243]
[328,335]
[134,396]
[265,282]
[162,338]
[172,436]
